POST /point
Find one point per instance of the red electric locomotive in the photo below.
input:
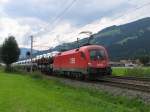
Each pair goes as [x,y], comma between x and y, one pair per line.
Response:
[89,61]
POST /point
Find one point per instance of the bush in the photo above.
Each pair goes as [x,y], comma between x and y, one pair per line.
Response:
[36,75]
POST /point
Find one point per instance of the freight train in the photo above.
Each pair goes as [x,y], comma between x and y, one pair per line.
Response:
[86,62]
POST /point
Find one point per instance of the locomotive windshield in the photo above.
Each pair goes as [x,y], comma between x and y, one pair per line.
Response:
[97,54]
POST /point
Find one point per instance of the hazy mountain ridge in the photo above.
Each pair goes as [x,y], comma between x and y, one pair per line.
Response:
[23,52]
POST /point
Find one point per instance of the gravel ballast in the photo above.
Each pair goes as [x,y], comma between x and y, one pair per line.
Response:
[116,91]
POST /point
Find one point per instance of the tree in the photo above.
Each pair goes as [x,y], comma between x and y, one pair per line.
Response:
[144,59]
[10,51]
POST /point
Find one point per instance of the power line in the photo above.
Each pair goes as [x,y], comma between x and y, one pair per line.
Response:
[137,8]
[58,18]
[64,11]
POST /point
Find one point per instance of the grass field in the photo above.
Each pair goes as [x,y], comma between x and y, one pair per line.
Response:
[138,71]
[24,93]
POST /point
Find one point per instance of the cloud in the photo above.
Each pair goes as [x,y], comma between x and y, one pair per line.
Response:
[45,9]
[12,27]
[4,1]
[27,17]
[66,32]
[82,11]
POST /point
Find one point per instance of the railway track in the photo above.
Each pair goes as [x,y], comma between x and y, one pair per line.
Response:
[114,87]
[133,83]
[130,78]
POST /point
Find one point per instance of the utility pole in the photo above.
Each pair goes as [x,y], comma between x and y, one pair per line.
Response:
[31,51]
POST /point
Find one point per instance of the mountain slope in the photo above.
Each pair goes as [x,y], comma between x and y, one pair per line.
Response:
[123,41]
[23,52]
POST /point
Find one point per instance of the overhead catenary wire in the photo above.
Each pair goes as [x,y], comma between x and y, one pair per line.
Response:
[71,4]
[58,18]
[64,11]
[135,9]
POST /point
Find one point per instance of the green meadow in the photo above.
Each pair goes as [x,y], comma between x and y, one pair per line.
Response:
[31,93]
[137,71]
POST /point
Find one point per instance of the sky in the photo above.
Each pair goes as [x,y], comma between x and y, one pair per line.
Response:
[53,22]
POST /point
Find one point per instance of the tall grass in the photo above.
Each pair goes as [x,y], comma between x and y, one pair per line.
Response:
[22,93]
[137,71]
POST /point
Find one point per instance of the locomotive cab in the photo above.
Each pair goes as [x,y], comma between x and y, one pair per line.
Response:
[98,61]
[98,58]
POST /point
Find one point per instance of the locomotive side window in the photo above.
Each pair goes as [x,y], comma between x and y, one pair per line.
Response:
[83,55]
[97,54]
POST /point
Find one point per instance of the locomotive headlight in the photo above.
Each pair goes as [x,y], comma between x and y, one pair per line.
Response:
[100,64]
[89,64]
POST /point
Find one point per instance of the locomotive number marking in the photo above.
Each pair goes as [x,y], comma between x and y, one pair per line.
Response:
[72,60]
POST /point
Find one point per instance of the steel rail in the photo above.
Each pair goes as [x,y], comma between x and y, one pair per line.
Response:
[143,86]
